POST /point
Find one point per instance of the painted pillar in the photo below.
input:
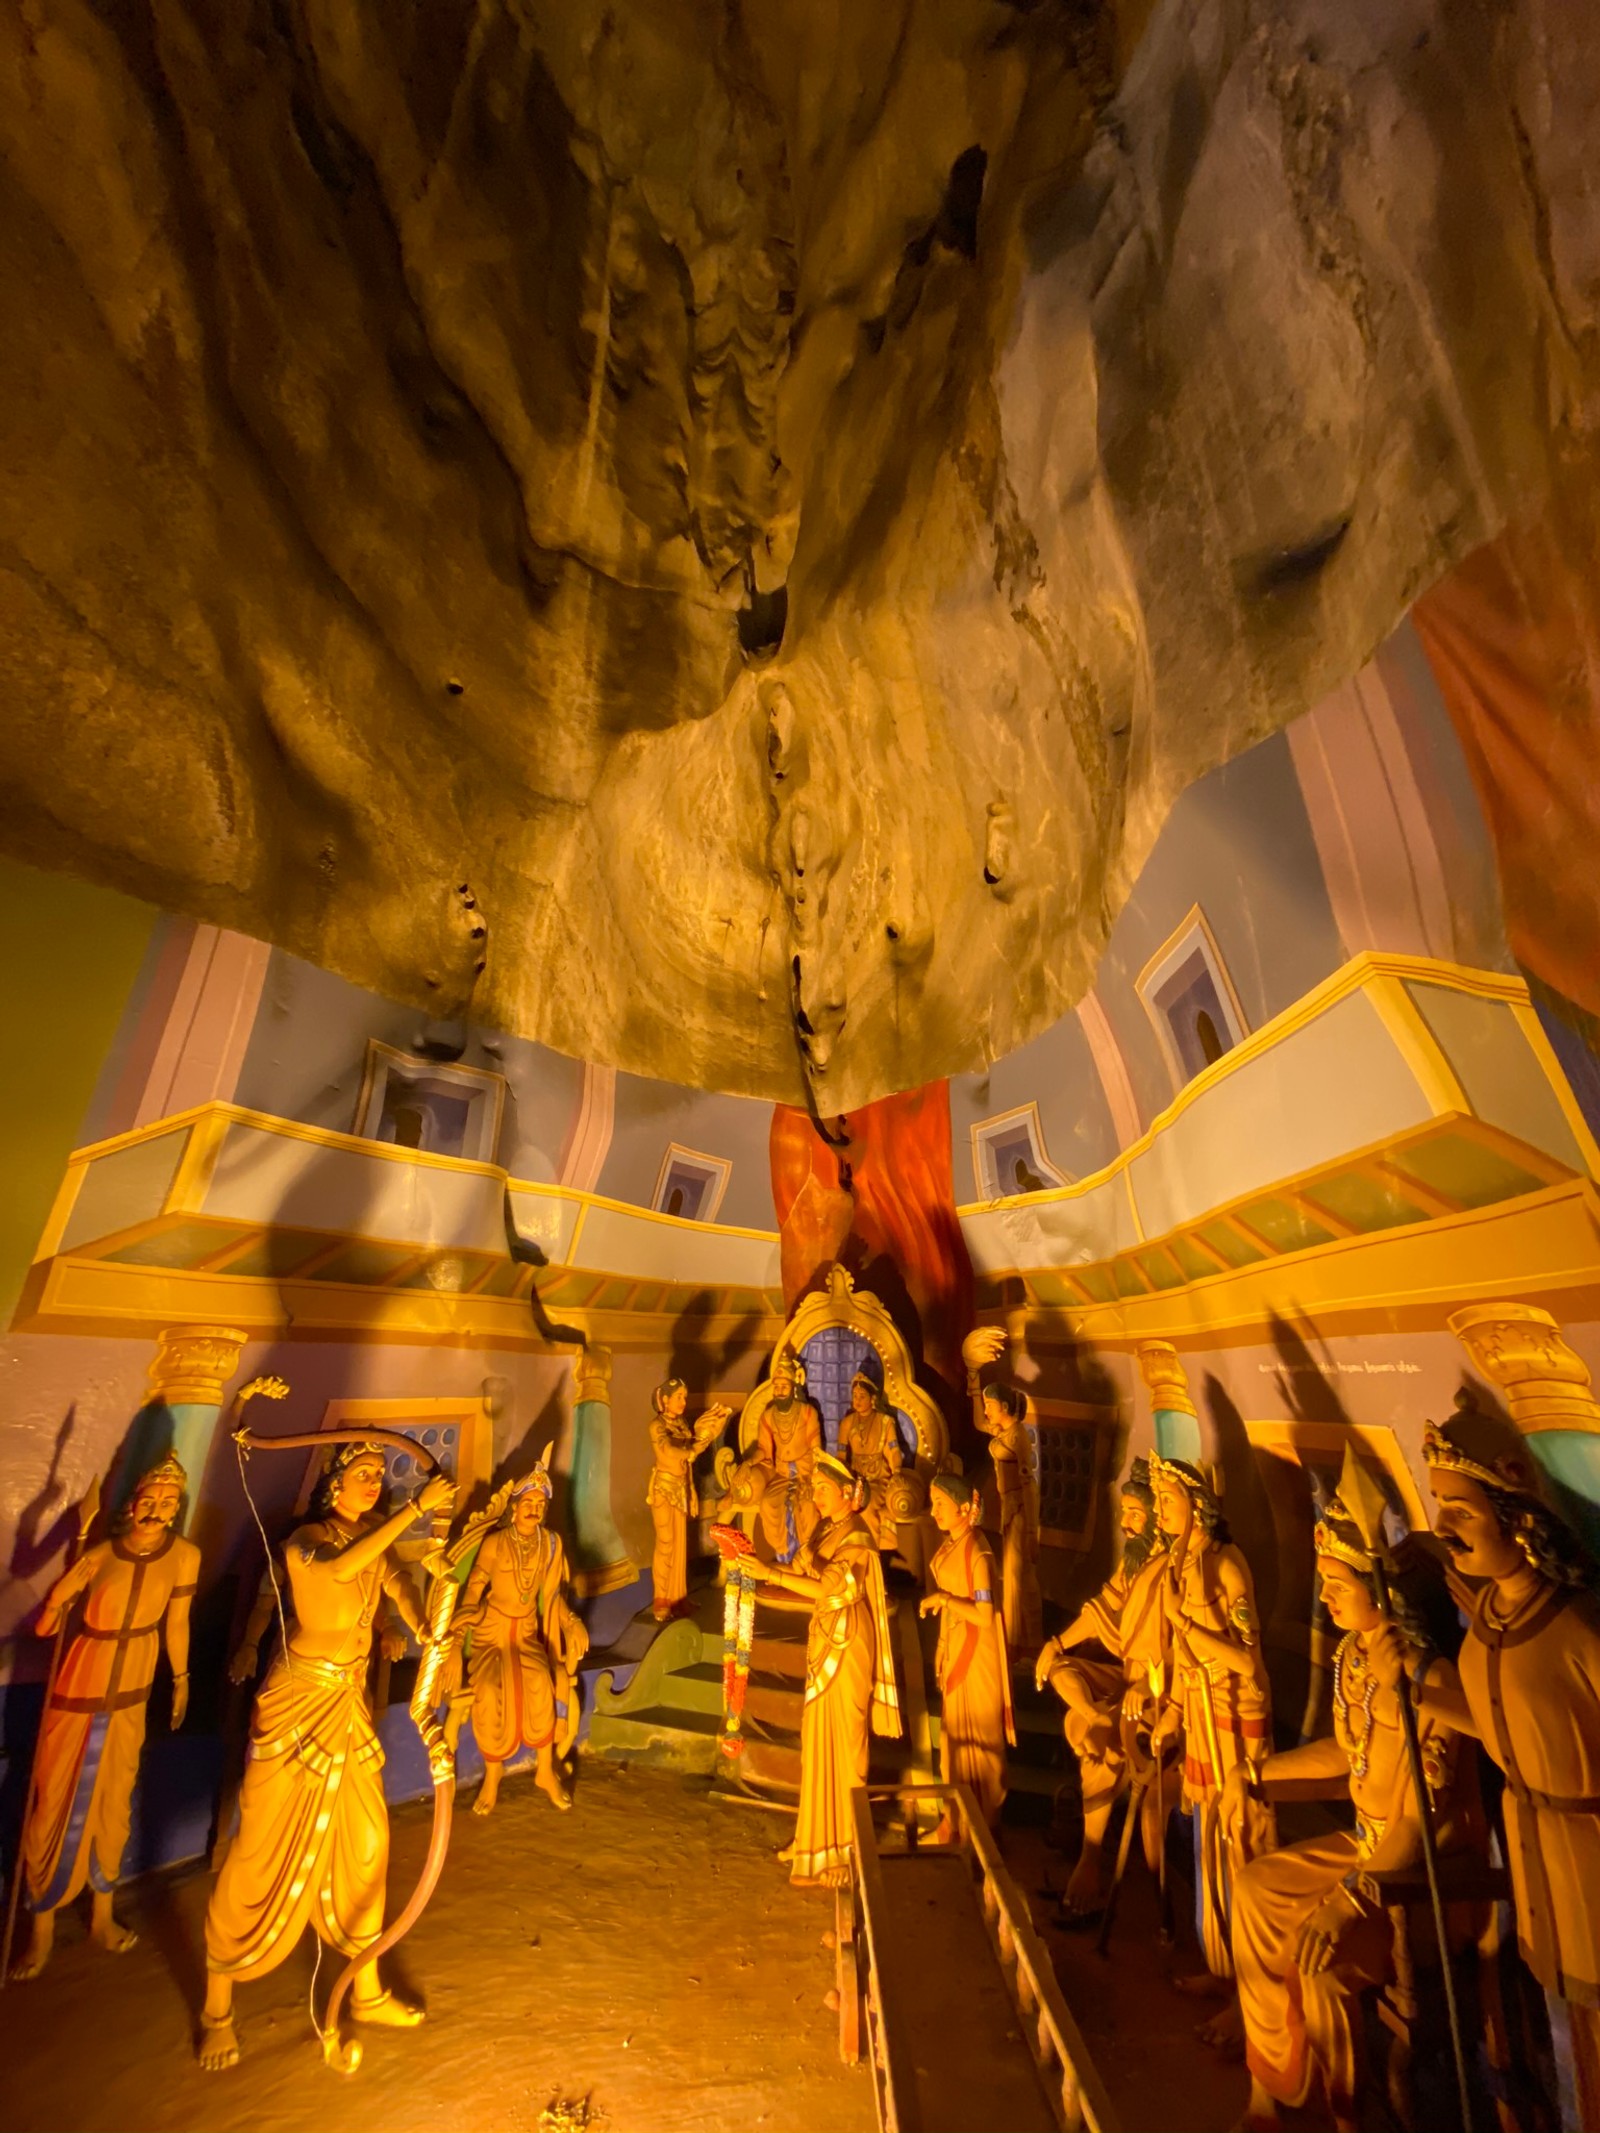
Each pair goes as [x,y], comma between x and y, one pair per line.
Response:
[192,1364]
[601,1562]
[1177,1420]
[1546,1385]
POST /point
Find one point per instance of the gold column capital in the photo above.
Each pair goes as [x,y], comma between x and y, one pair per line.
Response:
[592,1374]
[1162,1369]
[1522,1350]
[193,1363]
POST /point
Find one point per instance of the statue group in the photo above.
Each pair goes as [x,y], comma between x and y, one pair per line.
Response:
[1161,1676]
[1169,1652]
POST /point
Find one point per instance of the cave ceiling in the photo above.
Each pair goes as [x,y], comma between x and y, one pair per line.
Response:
[713,535]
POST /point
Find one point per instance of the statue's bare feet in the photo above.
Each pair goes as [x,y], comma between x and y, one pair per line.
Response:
[1203,1985]
[1224,2031]
[113,1936]
[218,2044]
[554,1788]
[488,1791]
[1260,2113]
[37,1953]
[834,1877]
[387,2012]
[786,1856]
[1085,1893]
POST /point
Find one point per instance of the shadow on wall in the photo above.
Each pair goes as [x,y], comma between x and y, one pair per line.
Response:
[703,1364]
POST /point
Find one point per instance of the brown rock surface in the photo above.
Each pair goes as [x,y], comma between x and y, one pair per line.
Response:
[777,498]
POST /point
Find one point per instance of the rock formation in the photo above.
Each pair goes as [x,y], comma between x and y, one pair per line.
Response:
[713,535]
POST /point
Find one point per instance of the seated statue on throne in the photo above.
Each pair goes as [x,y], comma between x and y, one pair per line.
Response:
[869,1444]
[782,1432]
[775,1477]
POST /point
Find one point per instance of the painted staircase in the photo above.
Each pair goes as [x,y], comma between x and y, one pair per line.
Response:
[657,1699]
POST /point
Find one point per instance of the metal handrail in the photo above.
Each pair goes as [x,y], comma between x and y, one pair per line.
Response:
[1054,2038]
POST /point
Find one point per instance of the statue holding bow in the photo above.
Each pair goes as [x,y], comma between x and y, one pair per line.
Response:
[313,1842]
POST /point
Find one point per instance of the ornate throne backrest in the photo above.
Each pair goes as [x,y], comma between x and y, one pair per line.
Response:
[839,1304]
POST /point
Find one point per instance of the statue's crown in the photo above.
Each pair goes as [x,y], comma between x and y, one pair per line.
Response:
[165,1472]
[1442,1447]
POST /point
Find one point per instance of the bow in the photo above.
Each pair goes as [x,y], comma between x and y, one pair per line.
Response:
[344,2055]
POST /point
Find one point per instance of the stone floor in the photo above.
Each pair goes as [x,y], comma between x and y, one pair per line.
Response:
[644,1951]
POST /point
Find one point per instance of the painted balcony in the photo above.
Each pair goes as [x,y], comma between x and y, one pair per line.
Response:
[263,1223]
[1399,1142]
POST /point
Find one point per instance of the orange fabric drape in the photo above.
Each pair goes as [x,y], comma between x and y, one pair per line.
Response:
[893,1224]
[1513,638]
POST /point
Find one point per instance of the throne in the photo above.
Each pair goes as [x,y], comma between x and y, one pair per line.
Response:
[836,1331]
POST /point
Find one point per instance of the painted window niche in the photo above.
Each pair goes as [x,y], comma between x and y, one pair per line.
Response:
[438,1110]
[1008,1155]
[691,1185]
[1074,1444]
[1189,997]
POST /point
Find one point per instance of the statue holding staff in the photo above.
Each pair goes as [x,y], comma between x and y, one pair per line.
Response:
[1529,1689]
[1310,1930]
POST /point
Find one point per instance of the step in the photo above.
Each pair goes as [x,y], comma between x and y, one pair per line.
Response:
[662,1738]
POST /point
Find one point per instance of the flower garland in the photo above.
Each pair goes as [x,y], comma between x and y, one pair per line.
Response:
[738,1631]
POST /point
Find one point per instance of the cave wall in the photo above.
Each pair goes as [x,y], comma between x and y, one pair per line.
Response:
[716,546]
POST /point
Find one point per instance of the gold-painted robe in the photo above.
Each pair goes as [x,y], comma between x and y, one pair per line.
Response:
[1240,1709]
[1297,2025]
[1533,1686]
[1125,1617]
[787,1443]
[850,1693]
[1011,1449]
[674,1500]
[313,1841]
[870,1446]
[520,1644]
[973,1671]
[92,1735]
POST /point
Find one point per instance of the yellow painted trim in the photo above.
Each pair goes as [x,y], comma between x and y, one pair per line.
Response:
[1537,1248]
[60,1215]
[94,1296]
[191,1181]
[1417,1046]
[1544,1051]
[1361,972]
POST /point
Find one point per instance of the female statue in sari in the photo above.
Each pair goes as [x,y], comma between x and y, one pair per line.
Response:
[850,1683]
[671,1492]
[869,1444]
[970,1663]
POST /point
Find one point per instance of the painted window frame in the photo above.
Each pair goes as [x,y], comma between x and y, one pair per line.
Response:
[481,1084]
[717,1168]
[985,1131]
[1192,932]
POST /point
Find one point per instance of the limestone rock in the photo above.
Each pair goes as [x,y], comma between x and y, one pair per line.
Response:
[713,536]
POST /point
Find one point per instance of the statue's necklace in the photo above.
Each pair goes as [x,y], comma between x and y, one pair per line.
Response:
[1358,1745]
[525,1567]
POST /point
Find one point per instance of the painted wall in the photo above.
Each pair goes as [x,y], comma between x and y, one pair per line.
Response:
[650,1115]
[70,955]
[1057,1072]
